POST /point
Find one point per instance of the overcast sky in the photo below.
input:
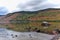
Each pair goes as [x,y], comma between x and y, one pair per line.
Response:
[8,6]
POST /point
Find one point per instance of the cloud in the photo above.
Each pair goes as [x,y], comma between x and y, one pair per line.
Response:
[3,10]
[35,2]
[34,5]
[27,5]
[30,5]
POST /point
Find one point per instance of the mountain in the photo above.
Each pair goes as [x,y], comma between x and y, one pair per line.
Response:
[23,19]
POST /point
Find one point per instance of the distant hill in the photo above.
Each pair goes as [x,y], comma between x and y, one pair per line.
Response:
[47,14]
[23,19]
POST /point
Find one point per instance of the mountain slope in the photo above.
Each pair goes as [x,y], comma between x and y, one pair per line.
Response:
[21,20]
[47,14]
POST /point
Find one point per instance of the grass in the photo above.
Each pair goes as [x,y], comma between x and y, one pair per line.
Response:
[22,27]
[50,16]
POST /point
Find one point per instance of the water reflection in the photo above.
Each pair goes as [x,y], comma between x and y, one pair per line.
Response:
[12,35]
[3,32]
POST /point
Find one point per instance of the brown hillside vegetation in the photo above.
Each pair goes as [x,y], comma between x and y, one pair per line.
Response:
[19,21]
[47,15]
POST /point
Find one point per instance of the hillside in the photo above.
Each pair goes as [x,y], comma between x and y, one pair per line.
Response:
[19,21]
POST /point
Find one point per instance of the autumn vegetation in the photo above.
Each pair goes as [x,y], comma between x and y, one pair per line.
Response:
[23,20]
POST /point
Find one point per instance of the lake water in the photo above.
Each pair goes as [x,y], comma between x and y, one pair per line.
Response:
[7,35]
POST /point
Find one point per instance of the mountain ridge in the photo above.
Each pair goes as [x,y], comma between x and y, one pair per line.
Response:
[35,18]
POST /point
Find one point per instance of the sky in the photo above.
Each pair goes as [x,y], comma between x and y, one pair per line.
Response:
[9,6]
